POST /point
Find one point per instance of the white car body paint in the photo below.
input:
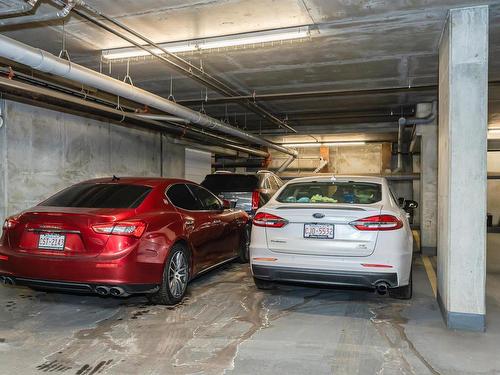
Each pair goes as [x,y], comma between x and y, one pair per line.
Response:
[287,249]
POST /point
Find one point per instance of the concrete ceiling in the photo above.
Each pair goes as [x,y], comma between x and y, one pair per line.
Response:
[358,45]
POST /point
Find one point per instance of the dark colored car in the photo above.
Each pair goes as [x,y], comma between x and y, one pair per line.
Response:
[247,192]
[122,237]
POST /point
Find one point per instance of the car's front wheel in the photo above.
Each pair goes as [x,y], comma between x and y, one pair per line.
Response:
[403,292]
[175,277]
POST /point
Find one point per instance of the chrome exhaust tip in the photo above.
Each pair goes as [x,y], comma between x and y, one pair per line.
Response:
[9,281]
[102,290]
[116,292]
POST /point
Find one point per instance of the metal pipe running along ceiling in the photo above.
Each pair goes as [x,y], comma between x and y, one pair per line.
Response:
[45,62]
[18,90]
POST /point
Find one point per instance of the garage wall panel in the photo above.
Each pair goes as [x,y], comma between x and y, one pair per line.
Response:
[45,151]
[198,164]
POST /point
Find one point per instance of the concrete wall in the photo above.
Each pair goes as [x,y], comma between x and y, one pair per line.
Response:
[44,151]
[343,159]
[197,165]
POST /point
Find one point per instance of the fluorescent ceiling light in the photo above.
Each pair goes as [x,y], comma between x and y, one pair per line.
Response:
[494,133]
[260,37]
[323,144]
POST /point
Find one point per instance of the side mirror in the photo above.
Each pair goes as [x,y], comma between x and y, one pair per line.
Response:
[409,204]
[226,204]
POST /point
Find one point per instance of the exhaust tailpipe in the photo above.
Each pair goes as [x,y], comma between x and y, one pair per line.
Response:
[9,281]
[116,292]
[2,279]
[382,288]
[102,290]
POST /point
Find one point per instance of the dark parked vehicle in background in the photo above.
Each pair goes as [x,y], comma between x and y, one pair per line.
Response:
[247,192]
[244,191]
[122,236]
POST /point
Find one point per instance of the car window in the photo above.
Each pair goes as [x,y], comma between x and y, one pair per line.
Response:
[233,182]
[208,200]
[278,181]
[265,184]
[181,197]
[331,192]
[273,183]
[99,195]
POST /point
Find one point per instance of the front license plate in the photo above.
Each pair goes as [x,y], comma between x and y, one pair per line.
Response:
[318,231]
[51,241]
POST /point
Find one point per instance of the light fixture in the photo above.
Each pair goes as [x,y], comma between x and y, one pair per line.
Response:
[494,133]
[235,40]
[324,144]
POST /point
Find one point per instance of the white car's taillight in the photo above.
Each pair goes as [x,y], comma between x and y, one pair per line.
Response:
[263,219]
[378,222]
[122,228]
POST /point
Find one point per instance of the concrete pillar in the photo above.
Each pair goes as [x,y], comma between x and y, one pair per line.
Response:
[428,187]
[3,162]
[463,94]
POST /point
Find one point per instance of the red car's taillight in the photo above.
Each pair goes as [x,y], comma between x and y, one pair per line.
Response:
[255,200]
[10,223]
[378,222]
[263,219]
[122,228]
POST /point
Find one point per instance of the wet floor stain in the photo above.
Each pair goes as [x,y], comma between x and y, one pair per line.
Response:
[53,366]
[205,334]
[97,369]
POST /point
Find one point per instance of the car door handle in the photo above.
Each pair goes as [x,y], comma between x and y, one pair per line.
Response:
[189,222]
[216,221]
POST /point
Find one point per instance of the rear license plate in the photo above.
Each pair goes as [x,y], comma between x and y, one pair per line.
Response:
[325,231]
[51,241]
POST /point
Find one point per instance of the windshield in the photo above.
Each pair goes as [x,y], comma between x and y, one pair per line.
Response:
[331,192]
[88,195]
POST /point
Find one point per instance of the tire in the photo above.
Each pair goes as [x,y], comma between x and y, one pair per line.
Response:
[244,249]
[174,279]
[403,292]
[263,284]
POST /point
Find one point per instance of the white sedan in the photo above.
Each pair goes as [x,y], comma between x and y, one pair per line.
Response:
[346,231]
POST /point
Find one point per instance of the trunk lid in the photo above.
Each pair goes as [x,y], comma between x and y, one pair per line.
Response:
[347,241]
[75,224]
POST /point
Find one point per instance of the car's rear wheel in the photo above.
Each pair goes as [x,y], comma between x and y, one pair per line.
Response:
[244,250]
[403,292]
[175,277]
[263,284]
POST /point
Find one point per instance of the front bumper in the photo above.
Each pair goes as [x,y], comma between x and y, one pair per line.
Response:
[324,277]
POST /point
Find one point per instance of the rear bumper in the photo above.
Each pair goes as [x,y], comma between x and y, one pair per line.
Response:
[324,277]
[75,287]
[134,268]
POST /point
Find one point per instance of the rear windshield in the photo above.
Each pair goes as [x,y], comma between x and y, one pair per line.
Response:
[217,183]
[99,196]
[331,192]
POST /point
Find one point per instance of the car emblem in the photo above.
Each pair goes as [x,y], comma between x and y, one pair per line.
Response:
[318,215]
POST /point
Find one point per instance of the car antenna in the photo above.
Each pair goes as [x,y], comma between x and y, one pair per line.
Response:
[115,178]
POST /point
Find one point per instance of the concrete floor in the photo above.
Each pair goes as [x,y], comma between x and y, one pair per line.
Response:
[227,326]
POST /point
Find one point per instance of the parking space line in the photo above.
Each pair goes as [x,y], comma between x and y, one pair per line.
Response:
[431,274]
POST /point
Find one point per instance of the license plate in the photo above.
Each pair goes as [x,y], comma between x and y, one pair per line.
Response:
[51,241]
[318,231]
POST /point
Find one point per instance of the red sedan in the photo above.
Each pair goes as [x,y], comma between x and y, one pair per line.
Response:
[122,236]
